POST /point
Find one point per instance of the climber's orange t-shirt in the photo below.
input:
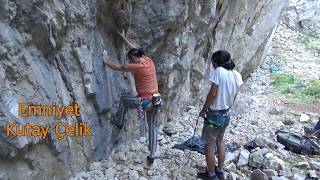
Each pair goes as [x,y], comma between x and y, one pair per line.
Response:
[145,78]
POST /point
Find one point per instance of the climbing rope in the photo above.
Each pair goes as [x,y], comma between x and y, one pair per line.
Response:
[194,133]
[130,15]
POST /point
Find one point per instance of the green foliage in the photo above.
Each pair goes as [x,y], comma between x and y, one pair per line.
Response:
[294,87]
[283,79]
[310,43]
[313,89]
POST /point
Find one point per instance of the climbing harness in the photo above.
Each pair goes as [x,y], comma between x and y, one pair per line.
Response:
[144,104]
[156,100]
[217,119]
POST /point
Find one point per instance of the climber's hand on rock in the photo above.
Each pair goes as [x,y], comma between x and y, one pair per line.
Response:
[105,61]
[128,43]
[122,34]
[105,57]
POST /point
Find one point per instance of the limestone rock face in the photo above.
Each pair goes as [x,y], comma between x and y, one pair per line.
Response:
[304,16]
[50,51]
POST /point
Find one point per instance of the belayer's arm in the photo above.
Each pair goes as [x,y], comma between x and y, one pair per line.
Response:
[210,97]
[128,43]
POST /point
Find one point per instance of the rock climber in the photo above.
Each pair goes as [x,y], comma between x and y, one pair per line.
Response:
[148,100]
[225,84]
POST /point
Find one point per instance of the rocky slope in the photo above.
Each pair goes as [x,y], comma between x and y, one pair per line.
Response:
[51,52]
[304,16]
[257,114]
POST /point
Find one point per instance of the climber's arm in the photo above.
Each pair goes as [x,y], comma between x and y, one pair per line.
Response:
[116,67]
[128,43]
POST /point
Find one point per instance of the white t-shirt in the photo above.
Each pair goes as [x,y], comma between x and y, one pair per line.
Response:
[229,82]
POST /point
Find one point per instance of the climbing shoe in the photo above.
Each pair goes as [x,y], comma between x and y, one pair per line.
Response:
[115,122]
[206,176]
[219,173]
[150,160]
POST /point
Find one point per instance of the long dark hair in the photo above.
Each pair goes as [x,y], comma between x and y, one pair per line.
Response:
[135,52]
[223,58]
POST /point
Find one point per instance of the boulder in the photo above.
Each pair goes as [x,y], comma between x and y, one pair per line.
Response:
[264,142]
[298,177]
[279,178]
[303,16]
[256,158]
[298,172]
[169,130]
[273,162]
[270,172]
[286,172]
[105,164]
[304,118]
[121,156]
[231,157]
[315,165]
[231,168]
[232,176]
[243,157]
[313,173]
[303,165]
[257,174]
